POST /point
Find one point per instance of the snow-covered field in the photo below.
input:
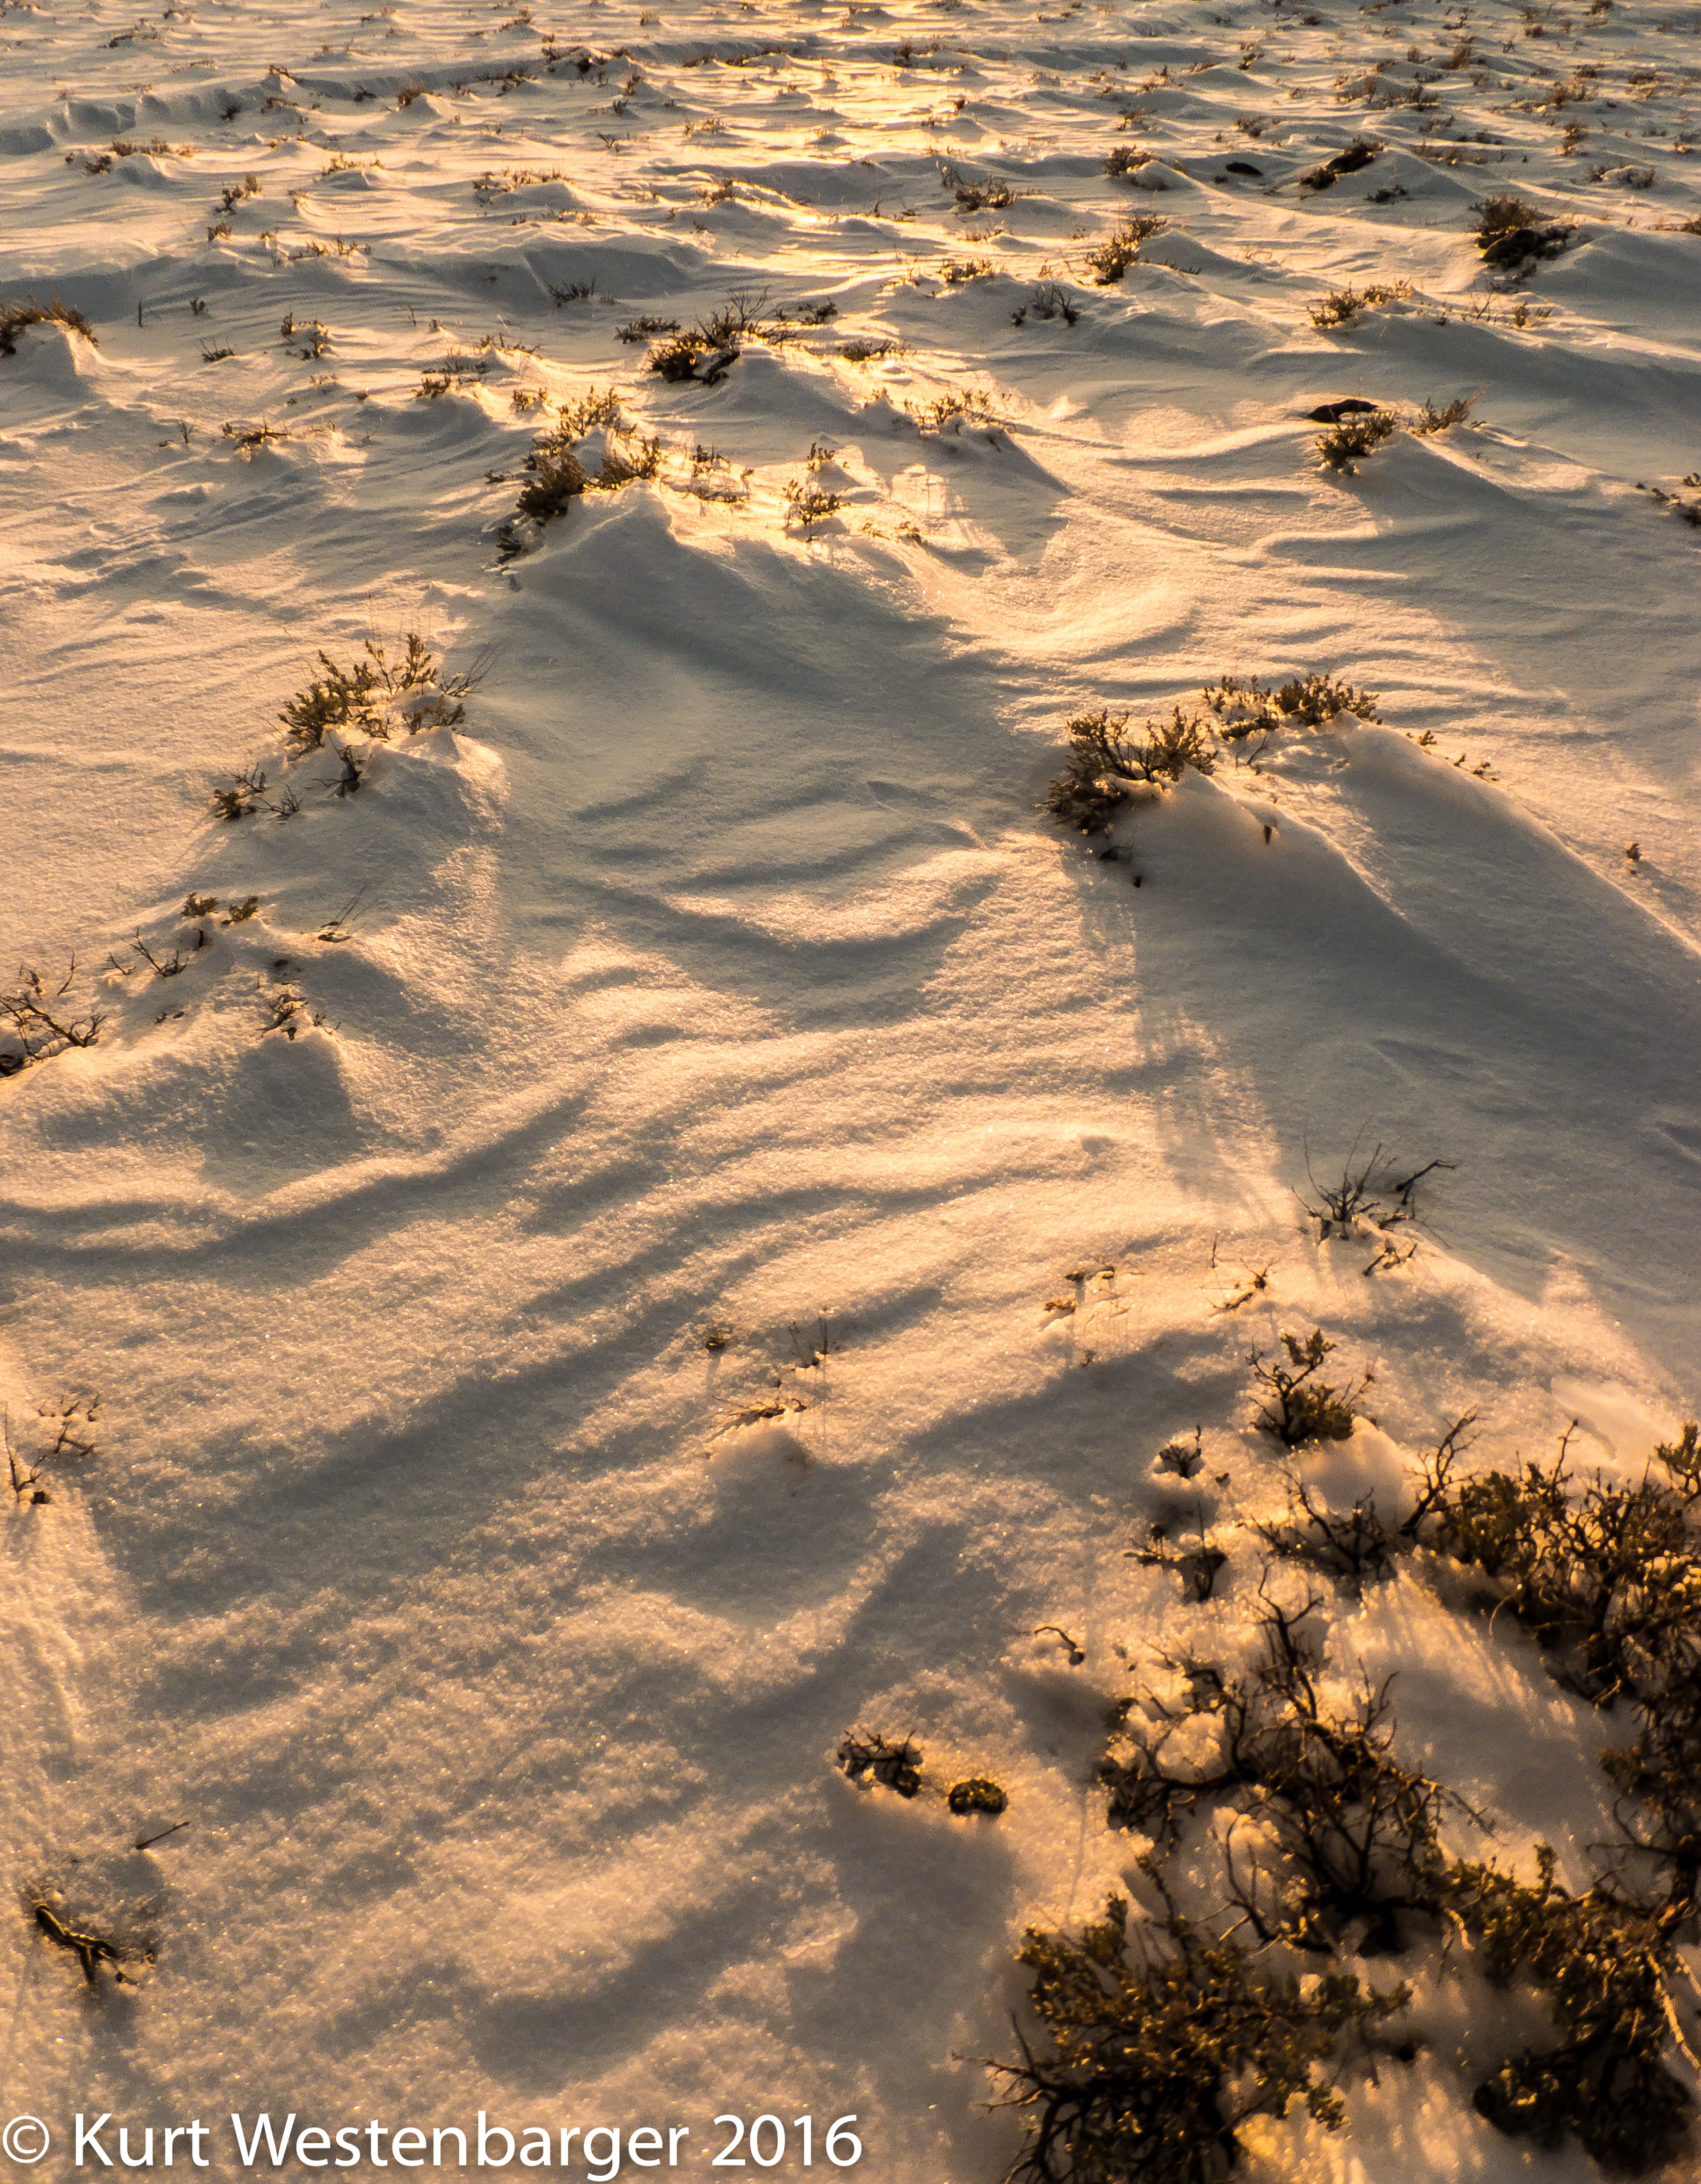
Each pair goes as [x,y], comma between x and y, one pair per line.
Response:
[681,1219]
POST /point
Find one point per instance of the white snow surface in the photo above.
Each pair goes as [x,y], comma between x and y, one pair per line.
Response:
[718,975]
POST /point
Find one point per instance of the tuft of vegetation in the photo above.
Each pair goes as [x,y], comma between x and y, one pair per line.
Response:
[1603,1964]
[1110,259]
[1357,155]
[1510,233]
[979,1794]
[952,409]
[978,196]
[1342,306]
[868,1757]
[1297,1406]
[1125,159]
[370,697]
[1158,2055]
[14,317]
[806,504]
[69,1419]
[1245,708]
[870,351]
[1430,419]
[1107,769]
[37,1022]
[643,330]
[1344,446]
[1050,300]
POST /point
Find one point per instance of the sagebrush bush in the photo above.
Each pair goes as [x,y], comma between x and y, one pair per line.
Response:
[1159,2054]
[1342,306]
[366,697]
[1510,231]
[1106,768]
[1345,445]
[37,1022]
[1348,1844]
[1111,259]
[1603,1965]
[1244,707]
[14,317]
[1297,1406]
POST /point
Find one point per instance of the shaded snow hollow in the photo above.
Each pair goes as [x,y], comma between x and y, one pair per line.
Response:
[710,997]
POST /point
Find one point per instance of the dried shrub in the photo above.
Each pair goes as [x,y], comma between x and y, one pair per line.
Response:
[1297,1406]
[950,409]
[641,330]
[37,1022]
[1159,2055]
[692,356]
[1244,707]
[869,1756]
[1345,445]
[1430,419]
[1110,259]
[980,197]
[806,504]
[1342,1842]
[1342,306]
[367,698]
[14,317]
[1357,155]
[1607,1578]
[1510,233]
[1106,768]
[1603,1964]
[1126,160]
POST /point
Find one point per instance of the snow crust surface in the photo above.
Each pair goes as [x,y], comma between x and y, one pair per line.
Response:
[746,1198]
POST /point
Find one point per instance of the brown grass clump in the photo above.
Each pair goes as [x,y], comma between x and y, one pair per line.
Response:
[14,317]
[1358,154]
[1244,707]
[1107,770]
[1111,259]
[371,697]
[1510,231]
[1345,445]
[1342,306]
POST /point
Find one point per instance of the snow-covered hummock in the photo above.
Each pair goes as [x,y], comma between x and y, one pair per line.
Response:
[714,971]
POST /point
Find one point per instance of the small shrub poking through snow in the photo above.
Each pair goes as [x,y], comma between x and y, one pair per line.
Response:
[1297,1406]
[1160,2054]
[1342,306]
[1510,231]
[1430,419]
[1110,259]
[373,697]
[14,317]
[37,1020]
[1107,770]
[1357,155]
[1344,446]
[979,1794]
[869,1756]
[1244,707]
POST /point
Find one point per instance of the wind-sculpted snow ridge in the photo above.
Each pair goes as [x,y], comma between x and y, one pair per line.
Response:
[600,1209]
